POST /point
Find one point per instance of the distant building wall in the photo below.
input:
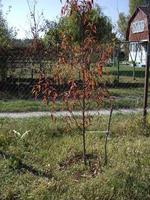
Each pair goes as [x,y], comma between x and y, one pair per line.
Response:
[138,53]
[138,33]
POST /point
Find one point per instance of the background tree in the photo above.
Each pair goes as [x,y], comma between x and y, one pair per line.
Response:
[6,34]
[71,25]
[135,3]
[96,17]
[36,31]
[122,25]
[53,35]
[21,42]
[100,20]
[37,26]
[36,20]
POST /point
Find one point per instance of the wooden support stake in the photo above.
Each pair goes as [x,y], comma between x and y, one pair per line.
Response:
[146,82]
[118,63]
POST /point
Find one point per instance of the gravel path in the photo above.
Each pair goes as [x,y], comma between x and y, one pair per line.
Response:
[66,113]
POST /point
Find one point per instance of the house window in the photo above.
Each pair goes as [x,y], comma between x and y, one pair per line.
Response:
[137,26]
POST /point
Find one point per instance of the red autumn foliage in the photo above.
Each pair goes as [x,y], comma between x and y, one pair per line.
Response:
[74,78]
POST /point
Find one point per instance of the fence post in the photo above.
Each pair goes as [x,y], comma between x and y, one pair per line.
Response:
[113,57]
[146,82]
[118,64]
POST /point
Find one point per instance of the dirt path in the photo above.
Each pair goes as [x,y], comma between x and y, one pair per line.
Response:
[66,113]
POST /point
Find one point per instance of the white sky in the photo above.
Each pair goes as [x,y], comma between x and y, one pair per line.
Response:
[18,17]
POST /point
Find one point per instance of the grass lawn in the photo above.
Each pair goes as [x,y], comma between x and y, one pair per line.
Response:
[46,164]
[126,73]
[127,70]
[33,106]
[22,106]
[125,98]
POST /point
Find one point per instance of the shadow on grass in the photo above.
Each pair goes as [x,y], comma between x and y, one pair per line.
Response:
[21,166]
[138,74]
[121,85]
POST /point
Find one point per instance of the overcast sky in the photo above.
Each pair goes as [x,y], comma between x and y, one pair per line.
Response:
[18,17]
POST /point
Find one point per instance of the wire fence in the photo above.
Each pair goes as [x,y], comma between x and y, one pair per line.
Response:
[19,72]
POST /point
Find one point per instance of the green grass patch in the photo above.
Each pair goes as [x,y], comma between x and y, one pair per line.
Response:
[31,106]
[30,166]
[22,106]
[124,98]
[130,96]
[127,70]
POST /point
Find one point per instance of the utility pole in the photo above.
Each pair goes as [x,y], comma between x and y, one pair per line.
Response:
[146,82]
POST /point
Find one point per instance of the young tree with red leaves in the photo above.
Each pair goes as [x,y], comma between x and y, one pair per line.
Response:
[75,69]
